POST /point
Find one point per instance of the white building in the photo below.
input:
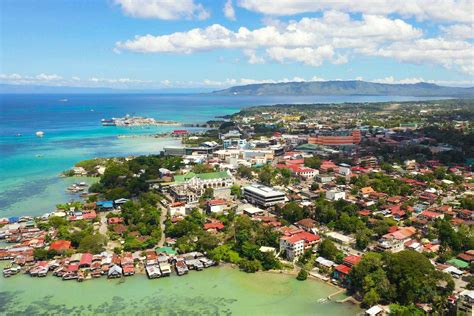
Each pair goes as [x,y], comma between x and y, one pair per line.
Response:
[344,169]
[293,247]
[177,209]
[262,195]
[465,302]
[335,195]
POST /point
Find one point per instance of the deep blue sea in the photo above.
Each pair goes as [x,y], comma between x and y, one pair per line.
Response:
[29,165]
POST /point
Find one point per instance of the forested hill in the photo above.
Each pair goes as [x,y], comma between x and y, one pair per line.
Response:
[354,87]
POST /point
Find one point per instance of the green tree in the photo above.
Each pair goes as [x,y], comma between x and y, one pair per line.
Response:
[92,243]
[302,275]
[328,249]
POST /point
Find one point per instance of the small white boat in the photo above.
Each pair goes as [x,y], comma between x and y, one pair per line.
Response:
[40,133]
[63,100]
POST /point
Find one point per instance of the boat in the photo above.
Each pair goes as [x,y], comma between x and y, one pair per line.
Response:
[181,268]
[109,122]
[11,270]
[63,100]
[40,133]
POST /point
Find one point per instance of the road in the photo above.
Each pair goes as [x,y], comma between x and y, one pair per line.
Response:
[162,225]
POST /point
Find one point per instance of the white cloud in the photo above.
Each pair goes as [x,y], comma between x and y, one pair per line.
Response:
[229,11]
[118,81]
[164,9]
[13,76]
[459,31]
[309,40]
[46,77]
[306,55]
[439,51]
[412,80]
[392,80]
[438,10]
[252,56]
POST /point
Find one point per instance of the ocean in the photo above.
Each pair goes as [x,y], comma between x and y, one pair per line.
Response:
[30,165]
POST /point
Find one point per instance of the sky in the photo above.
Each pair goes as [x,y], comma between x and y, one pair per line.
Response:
[216,44]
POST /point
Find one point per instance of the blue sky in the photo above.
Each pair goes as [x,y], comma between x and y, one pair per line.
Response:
[213,44]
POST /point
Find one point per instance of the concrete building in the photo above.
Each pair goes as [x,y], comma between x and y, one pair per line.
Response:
[465,302]
[336,138]
[335,195]
[188,188]
[262,195]
[294,245]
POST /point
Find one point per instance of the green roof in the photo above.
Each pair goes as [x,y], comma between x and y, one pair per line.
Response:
[202,176]
[167,250]
[458,263]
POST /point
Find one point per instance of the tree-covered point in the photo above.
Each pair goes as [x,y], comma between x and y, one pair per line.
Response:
[127,178]
[405,278]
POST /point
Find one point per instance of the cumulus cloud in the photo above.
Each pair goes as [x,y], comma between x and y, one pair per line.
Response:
[46,77]
[392,80]
[439,10]
[252,57]
[74,81]
[229,11]
[164,9]
[449,54]
[459,31]
[309,40]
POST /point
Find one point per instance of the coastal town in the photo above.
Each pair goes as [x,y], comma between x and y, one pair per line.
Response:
[376,199]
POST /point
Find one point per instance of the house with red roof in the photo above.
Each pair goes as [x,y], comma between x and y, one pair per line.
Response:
[60,245]
[295,244]
[177,208]
[214,225]
[351,261]
[341,274]
[179,132]
[430,216]
[216,206]
[86,260]
[115,220]
[394,241]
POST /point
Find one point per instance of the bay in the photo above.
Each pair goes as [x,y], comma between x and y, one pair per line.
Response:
[214,291]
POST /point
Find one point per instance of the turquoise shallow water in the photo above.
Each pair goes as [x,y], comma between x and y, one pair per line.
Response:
[29,165]
[215,291]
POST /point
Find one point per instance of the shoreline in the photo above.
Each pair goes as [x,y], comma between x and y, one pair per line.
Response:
[339,290]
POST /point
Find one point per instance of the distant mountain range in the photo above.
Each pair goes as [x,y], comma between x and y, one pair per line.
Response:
[288,88]
[353,87]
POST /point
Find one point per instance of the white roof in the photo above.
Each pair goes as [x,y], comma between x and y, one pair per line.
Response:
[263,190]
[341,237]
[469,293]
[267,249]
[454,270]
[253,210]
[374,310]
[325,262]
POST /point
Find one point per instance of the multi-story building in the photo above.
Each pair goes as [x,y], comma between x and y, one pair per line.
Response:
[336,138]
[262,195]
[188,188]
[295,244]
[335,195]
[395,241]
[465,303]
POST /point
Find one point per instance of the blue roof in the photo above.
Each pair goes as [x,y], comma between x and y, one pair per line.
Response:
[105,204]
[13,219]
